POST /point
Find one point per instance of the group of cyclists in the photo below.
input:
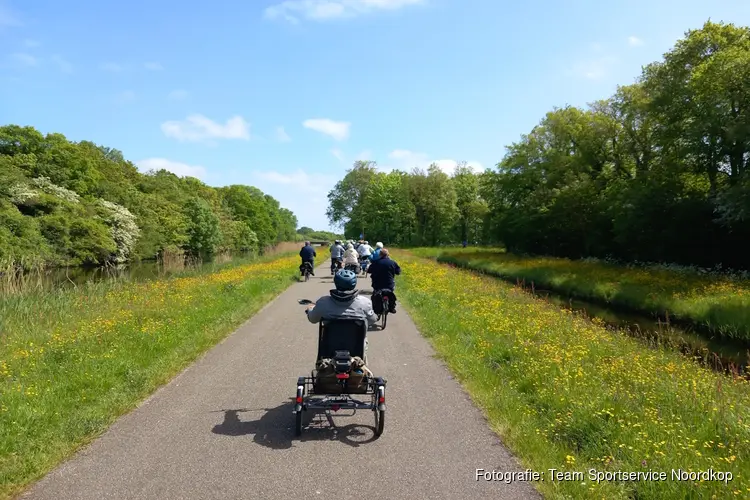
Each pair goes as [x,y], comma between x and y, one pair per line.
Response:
[355,256]
[346,263]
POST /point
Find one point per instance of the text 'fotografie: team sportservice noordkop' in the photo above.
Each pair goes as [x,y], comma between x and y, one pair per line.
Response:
[599,476]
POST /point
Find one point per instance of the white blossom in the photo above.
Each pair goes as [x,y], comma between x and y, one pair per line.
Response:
[124,229]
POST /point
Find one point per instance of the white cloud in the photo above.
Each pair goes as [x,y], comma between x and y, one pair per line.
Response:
[178,95]
[198,128]
[594,69]
[281,135]
[153,66]
[177,168]
[301,180]
[634,41]
[64,65]
[406,160]
[320,10]
[449,166]
[113,67]
[25,59]
[304,193]
[31,43]
[337,130]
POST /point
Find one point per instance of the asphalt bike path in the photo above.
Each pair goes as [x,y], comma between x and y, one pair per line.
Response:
[224,427]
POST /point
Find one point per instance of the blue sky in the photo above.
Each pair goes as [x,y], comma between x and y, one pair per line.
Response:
[286,95]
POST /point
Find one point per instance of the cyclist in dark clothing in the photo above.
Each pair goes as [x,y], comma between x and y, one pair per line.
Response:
[308,254]
[383,272]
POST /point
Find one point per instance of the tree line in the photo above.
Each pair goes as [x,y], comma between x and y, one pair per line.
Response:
[657,172]
[77,203]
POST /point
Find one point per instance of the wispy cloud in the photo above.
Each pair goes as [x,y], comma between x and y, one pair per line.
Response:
[198,128]
[178,95]
[595,68]
[25,59]
[281,135]
[9,18]
[301,180]
[126,96]
[112,67]
[301,191]
[634,41]
[153,66]
[64,65]
[177,168]
[365,155]
[338,130]
[320,10]
[338,154]
[406,160]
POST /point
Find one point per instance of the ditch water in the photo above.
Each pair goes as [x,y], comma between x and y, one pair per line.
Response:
[68,277]
[718,353]
[727,355]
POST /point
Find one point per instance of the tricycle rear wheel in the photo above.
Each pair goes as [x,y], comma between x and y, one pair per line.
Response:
[379,422]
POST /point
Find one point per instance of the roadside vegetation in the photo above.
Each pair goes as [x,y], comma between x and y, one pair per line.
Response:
[566,393]
[658,172]
[76,203]
[717,302]
[73,360]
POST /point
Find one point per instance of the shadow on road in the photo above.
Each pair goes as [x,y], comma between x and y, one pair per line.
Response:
[275,428]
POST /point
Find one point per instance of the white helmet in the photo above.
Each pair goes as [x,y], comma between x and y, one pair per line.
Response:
[378,245]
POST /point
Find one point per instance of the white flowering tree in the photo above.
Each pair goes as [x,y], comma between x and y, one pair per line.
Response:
[124,229]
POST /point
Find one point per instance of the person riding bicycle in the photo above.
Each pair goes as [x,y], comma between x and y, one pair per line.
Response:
[376,254]
[344,302]
[383,271]
[351,257]
[308,255]
[364,250]
[337,255]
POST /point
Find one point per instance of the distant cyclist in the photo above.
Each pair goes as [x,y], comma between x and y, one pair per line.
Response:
[376,254]
[308,255]
[337,255]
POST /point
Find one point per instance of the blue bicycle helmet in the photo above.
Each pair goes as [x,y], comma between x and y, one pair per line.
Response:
[345,280]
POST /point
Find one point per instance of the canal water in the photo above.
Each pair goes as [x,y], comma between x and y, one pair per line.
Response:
[65,277]
[719,353]
[727,355]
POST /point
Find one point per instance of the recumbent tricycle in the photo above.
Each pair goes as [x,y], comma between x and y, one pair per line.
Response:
[340,373]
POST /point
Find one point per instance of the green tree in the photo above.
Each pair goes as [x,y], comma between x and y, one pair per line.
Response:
[203,230]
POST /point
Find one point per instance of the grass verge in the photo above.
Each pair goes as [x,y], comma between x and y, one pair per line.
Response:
[567,394]
[717,304]
[72,361]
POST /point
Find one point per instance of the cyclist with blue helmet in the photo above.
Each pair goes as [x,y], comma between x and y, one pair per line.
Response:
[344,302]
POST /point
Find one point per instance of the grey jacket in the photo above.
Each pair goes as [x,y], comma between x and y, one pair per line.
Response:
[342,305]
[337,252]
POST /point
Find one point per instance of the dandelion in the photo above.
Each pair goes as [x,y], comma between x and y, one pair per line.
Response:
[575,384]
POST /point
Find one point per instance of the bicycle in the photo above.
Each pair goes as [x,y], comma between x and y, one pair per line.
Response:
[385,302]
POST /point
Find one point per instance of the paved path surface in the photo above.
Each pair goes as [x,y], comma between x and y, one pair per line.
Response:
[224,428]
